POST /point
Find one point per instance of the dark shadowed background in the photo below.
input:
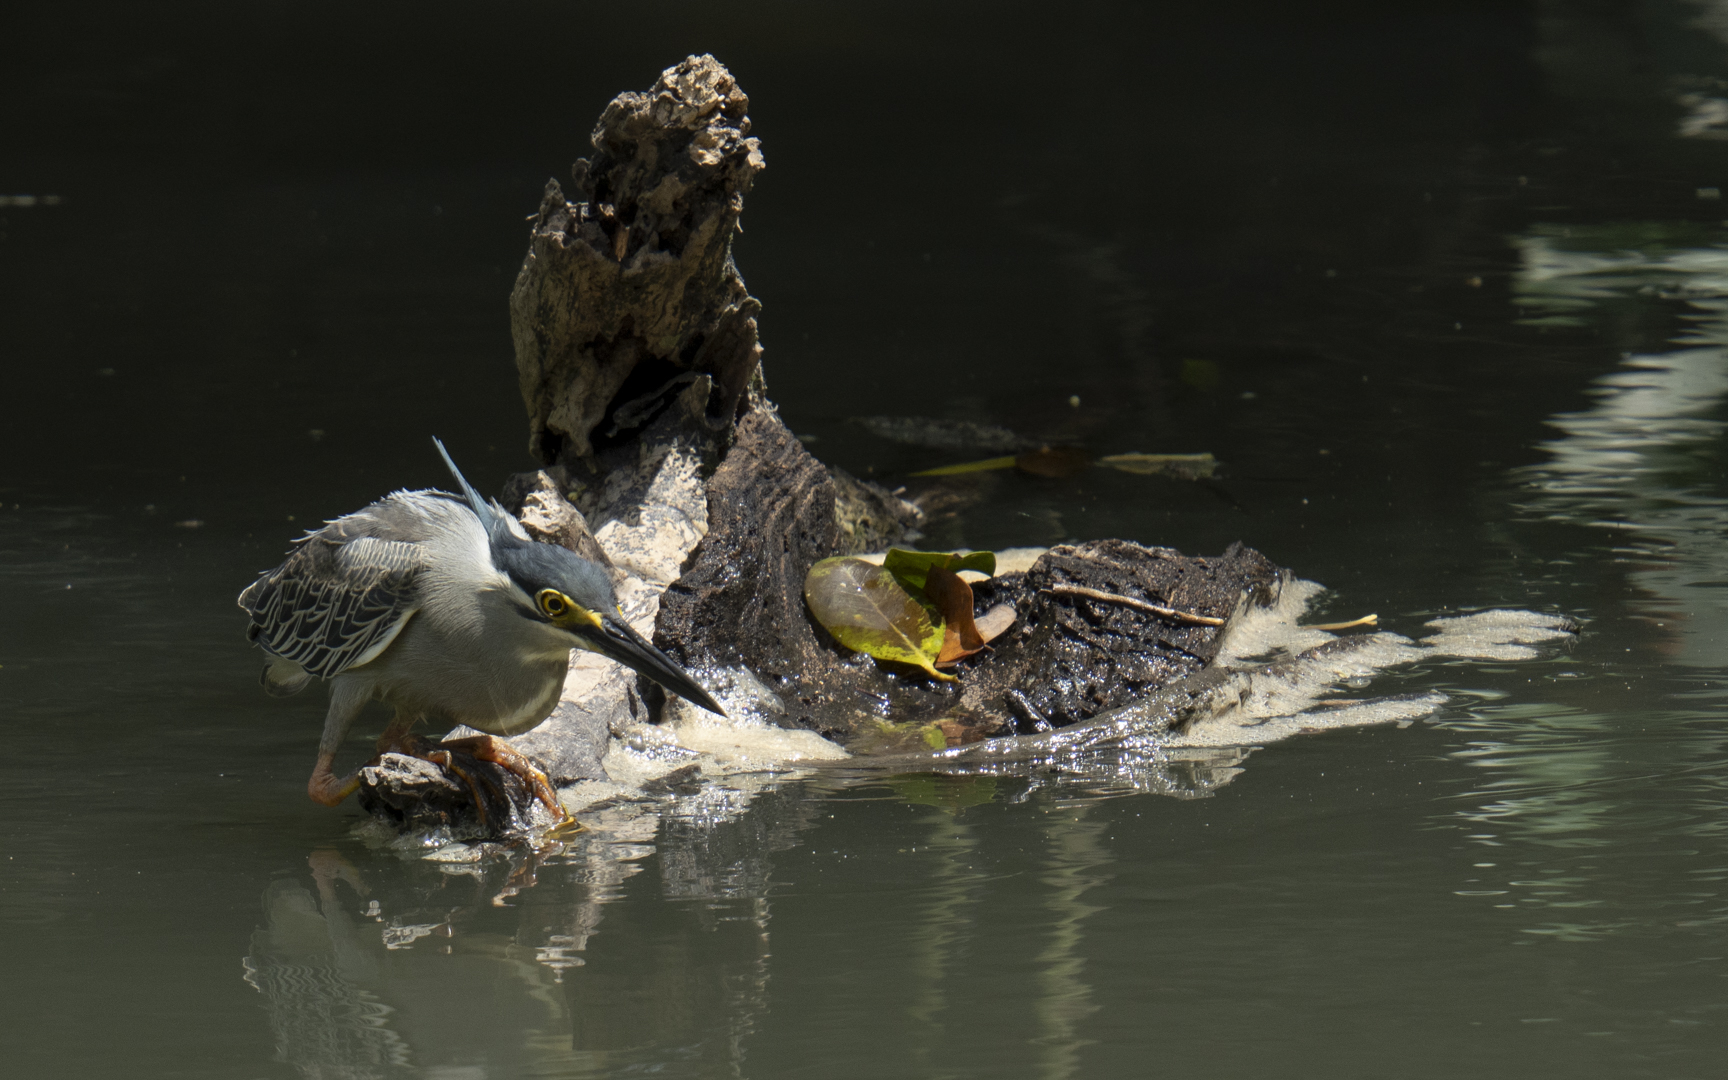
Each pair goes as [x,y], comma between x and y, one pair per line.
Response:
[1442,285]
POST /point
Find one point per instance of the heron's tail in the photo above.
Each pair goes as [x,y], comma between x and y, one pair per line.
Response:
[283,678]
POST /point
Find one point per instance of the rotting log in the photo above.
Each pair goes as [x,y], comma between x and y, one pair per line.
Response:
[740,602]
[639,362]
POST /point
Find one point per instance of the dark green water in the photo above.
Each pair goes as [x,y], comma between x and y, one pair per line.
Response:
[1444,285]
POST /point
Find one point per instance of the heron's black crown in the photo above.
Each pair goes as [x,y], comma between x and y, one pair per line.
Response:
[534,566]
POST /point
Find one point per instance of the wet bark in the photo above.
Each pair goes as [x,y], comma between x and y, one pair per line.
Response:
[1088,640]
[1085,639]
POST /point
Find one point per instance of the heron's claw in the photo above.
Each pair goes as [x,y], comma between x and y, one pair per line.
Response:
[445,760]
[502,754]
[460,758]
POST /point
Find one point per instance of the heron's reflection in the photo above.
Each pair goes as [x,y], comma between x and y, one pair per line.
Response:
[312,963]
[375,966]
[369,974]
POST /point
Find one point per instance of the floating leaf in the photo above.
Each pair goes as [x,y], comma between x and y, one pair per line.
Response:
[1061,461]
[911,566]
[970,467]
[1181,466]
[941,434]
[867,610]
[1044,461]
[1055,461]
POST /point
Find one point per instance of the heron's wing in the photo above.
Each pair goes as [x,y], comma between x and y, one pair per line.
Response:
[343,594]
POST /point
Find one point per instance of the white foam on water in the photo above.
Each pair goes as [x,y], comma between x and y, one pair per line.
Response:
[1273,679]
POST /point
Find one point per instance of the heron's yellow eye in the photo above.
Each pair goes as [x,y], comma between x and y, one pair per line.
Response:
[553,603]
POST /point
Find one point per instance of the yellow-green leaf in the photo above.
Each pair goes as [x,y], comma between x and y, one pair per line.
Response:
[986,465]
[1044,461]
[867,610]
[912,566]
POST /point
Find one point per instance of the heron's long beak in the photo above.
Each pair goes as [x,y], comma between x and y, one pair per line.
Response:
[613,637]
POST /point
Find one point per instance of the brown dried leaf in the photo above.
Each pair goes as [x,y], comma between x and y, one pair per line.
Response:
[1180,466]
[953,598]
[1054,461]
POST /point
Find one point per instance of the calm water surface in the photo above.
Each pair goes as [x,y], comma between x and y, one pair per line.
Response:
[1444,285]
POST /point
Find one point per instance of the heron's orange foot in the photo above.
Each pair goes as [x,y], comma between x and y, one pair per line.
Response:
[507,757]
[458,757]
[328,788]
[445,760]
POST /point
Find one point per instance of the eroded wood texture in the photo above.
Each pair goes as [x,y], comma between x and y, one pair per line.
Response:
[771,516]
[771,509]
[1069,657]
[628,292]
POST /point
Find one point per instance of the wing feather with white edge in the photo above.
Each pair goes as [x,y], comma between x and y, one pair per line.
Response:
[342,595]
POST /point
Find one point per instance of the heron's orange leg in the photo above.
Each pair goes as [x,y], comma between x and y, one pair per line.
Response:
[325,786]
[398,738]
[505,756]
[328,788]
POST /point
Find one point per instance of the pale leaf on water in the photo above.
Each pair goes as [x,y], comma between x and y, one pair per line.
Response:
[1180,466]
[995,622]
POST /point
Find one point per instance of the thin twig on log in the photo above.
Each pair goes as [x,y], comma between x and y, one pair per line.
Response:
[1139,605]
[1366,620]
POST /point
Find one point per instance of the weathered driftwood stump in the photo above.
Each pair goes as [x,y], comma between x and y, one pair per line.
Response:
[629,294]
[636,343]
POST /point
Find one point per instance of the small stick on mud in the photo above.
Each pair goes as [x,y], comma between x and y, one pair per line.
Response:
[1139,605]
